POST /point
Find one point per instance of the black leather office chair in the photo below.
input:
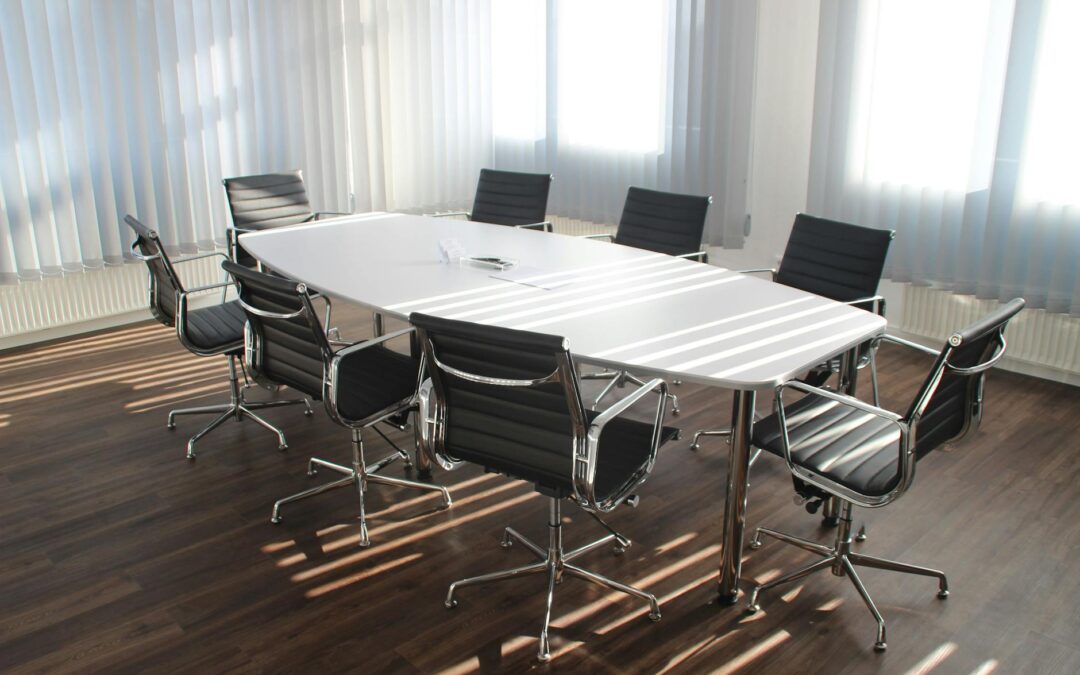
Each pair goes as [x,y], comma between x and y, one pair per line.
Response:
[839,261]
[508,400]
[266,201]
[839,447]
[664,222]
[510,198]
[360,385]
[207,331]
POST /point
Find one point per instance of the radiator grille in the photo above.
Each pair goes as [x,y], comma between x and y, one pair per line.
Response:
[88,296]
[1035,336]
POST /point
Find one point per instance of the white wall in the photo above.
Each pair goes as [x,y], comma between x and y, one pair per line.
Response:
[783,109]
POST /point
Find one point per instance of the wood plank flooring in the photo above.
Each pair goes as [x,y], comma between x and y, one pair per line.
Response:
[118,555]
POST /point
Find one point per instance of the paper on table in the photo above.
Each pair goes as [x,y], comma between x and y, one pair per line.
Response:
[535,276]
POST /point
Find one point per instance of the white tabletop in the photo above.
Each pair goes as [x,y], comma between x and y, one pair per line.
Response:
[625,307]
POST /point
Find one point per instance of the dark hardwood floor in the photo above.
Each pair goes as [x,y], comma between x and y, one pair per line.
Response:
[118,555]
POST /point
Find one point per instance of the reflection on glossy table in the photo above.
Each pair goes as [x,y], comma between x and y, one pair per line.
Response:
[624,308]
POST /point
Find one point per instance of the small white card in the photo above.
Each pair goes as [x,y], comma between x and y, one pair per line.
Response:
[451,250]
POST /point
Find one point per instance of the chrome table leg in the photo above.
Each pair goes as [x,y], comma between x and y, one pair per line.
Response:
[735,503]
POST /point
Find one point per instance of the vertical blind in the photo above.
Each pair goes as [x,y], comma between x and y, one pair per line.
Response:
[955,124]
[144,106]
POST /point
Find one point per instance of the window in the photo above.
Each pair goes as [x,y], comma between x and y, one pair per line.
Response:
[519,69]
[1051,166]
[926,72]
[609,71]
[611,64]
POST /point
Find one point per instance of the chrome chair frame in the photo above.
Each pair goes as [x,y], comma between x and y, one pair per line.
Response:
[839,558]
[238,407]
[359,474]
[586,443]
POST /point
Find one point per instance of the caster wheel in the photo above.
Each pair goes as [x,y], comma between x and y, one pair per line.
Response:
[619,550]
[451,604]
[170,426]
[695,446]
[755,545]
[283,446]
[880,646]
[312,473]
[753,609]
[943,594]
[275,520]
[308,413]
[654,616]
[506,544]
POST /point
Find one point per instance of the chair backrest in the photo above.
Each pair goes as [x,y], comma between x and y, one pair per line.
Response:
[165,285]
[664,222]
[286,343]
[509,399]
[265,201]
[836,260]
[949,404]
[511,198]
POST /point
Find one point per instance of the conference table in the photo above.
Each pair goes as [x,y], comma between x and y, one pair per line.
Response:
[618,307]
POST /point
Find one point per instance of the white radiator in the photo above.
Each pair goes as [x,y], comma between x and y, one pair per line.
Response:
[579,227]
[54,307]
[1040,343]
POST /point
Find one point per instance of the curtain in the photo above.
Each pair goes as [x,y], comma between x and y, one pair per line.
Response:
[424,117]
[955,125]
[143,107]
[603,94]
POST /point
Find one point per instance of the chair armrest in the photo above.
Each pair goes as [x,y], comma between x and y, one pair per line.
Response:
[182,311]
[876,302]
[842,399]
[208,287]
[770,270]
[586,459]
[330,382]
[545,226]
[358,346]
[702,256]
[448,214]
[199,256]
[608,235]
[906,450]
[911,345]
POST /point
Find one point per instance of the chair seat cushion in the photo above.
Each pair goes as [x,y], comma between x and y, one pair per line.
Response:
[219,328]
[373,379]
[527,439]
[853,448]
